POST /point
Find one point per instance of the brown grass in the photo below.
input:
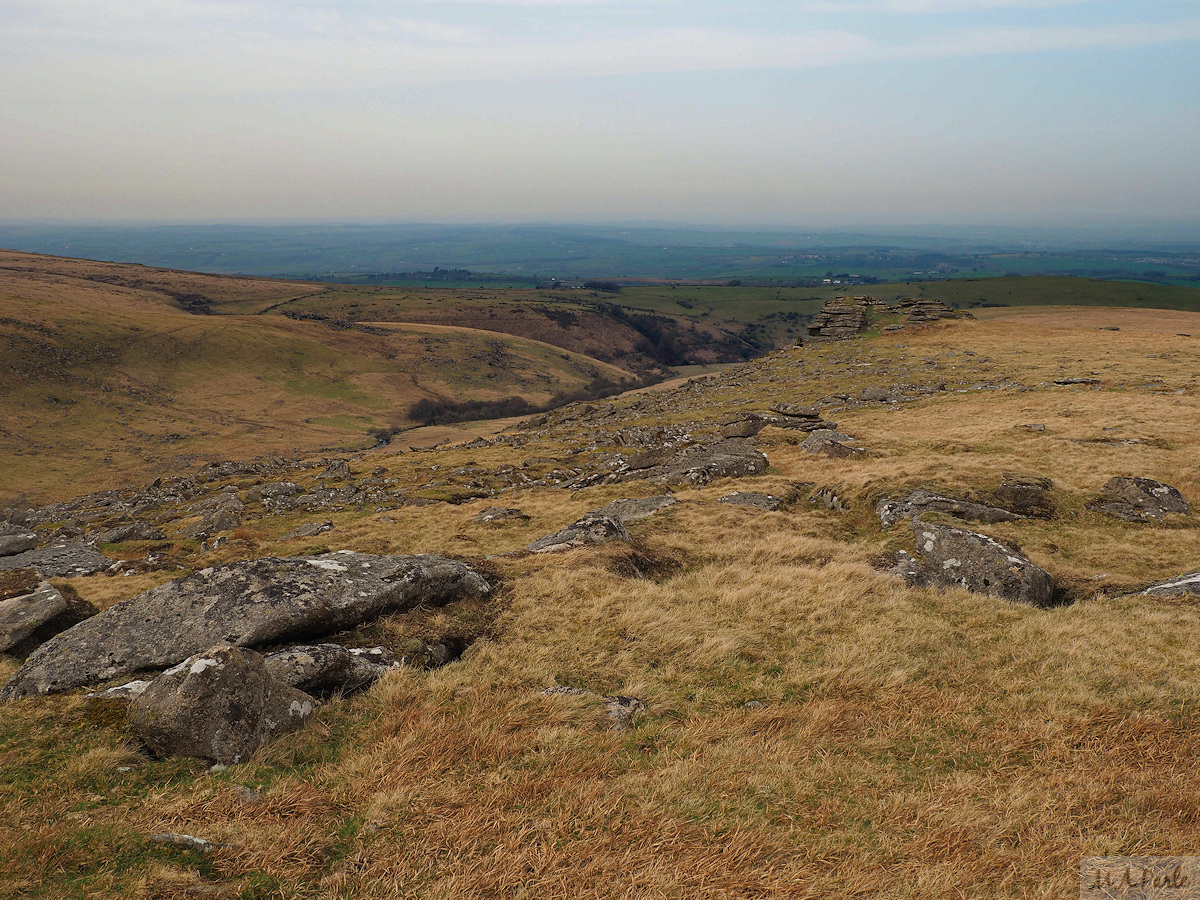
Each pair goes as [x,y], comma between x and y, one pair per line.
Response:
[813,728]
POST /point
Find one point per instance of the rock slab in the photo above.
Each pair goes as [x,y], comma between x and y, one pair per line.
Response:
[920,501]
[219,705]
[246,604]
[59,560]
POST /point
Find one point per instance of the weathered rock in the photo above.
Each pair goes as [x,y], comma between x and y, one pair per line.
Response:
[1182,586]
[134,531]
[955,557]
[1026,496]
[746,498]
[743,428]
[219,705]
[249,604]
[1140,499]
[922,310]
[337,470]
[494,514]
[588,531]
[839,319]
[649,457]
[698,465]
[921,501]
[322,668]
[16,540]
[795,411]
[59,560]
[310,529]
[629,509]
[620,709]
[273,491]
[829,447]
[32,619]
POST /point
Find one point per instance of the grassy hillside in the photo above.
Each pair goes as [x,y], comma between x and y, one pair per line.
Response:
[813,727]
[107,379]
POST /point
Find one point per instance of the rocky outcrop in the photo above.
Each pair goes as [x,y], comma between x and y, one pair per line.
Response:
[588,531]
[955,557]
[220,705]
[700,464]
[31,619]
[59,560]
[309,529]
[839,319]
[338,470]
[248,604]
[921,501]
[923,310]
[132,531]
[1140,499]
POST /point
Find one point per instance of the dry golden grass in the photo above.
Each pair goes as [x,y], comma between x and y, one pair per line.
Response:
[812,728]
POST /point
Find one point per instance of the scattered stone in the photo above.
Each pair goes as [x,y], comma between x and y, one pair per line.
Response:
[310,529]
[248,795]
[1136,499]
[588,531]
[251,604]
[32,619]
[220,705]
[1038,428]
[921,501]
[629,509]
[495,514]
[324,668]
[1077,381]
[1183,586]
[744,428]
[745,498]
[622,710]
[59,560]
[955,557]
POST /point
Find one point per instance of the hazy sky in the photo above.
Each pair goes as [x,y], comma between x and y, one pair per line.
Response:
[813,112]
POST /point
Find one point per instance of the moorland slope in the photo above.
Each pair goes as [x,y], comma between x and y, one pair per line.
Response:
[807,723]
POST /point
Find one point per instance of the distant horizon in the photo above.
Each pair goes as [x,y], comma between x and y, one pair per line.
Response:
[1020,113]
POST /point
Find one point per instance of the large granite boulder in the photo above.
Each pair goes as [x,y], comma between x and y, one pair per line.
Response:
[1140,499]
[59,560]
[921,501]
[247,604]
[219,705]
[588,531]
[955,557]
[28,620]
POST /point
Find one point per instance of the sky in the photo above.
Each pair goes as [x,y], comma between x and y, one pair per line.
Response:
[831,113]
